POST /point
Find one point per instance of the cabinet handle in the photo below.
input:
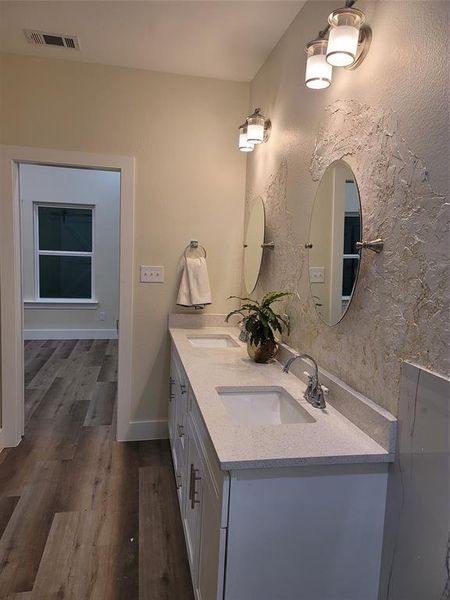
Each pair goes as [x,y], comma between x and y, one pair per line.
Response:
[192,491]
[180,430]
[178,481]
[190,481]
[171,394]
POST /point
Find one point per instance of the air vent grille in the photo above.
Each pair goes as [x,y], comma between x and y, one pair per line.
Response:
[43,38]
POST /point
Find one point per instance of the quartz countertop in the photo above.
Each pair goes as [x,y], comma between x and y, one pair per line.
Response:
[331,440]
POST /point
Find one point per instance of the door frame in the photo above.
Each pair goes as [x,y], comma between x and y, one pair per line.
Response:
[11,300]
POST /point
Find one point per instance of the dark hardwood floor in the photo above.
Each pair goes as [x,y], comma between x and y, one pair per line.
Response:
[82,516]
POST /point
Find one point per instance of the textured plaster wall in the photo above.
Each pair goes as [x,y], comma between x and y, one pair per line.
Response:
[389,120]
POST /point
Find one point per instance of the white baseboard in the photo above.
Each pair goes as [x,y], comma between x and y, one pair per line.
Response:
[138,431]
[70,334]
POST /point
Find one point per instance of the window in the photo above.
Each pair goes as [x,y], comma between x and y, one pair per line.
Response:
[352,228]
[63,252]
[352,234]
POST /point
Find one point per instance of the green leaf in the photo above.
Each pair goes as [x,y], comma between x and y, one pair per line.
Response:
[273,297]
[234,312]
[243,299]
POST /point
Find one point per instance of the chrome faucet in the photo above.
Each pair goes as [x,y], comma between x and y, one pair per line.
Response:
[314,393]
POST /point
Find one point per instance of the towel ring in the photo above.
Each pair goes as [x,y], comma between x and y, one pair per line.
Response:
[193,245]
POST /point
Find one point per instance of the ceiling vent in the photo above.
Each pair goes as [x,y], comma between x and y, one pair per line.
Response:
[41,38]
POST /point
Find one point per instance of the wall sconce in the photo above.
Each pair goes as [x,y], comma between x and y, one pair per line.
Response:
[344,36]
[318,70]
[347,45]
[255,130]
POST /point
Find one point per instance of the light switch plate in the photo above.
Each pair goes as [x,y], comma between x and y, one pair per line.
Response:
[152,274]
[317,274]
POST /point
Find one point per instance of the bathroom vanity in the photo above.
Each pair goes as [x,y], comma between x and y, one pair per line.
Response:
[279,500]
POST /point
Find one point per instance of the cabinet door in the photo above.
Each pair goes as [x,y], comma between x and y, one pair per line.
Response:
[177,418]
[212,546]
[193,504]
[172,405]
[179,443]
[205,539]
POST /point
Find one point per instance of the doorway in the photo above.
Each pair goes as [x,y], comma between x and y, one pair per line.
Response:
[57,288]
[70,243]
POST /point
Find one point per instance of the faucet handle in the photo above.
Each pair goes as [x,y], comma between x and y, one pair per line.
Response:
[310,377]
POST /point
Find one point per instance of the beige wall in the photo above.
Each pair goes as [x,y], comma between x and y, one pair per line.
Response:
[389,120]
[190,177]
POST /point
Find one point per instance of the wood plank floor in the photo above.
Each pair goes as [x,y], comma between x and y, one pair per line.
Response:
[82,516]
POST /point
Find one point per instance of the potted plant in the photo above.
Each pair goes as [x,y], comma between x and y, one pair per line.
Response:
[261,323]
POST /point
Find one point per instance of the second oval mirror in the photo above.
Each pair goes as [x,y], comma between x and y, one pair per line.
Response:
[253,245]
[335,228]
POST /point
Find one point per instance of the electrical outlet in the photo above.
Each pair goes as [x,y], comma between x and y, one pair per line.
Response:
[102,316]
[317,274]
[152,274]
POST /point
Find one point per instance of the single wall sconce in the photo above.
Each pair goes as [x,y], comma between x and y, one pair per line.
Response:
[318,70]
[255,130]
[344,36]
[346,46]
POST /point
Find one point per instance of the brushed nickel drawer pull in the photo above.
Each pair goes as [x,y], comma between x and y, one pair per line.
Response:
[195,478]
[191,474]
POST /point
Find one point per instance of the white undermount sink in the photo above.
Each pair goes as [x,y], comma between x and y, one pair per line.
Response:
[262,405]
[212,341]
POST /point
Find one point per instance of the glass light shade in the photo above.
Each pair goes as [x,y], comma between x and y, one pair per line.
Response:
[244,144]
[255,127]
[318,71]
[344,35]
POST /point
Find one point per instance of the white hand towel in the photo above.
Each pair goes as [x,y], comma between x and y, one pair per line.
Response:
[194,286]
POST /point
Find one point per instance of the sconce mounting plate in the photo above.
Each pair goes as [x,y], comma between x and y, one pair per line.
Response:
[267,129]
[365,39]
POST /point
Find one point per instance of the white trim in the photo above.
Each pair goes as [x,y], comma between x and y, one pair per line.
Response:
[138,431]
[11,300]
[63,303]
[70,334]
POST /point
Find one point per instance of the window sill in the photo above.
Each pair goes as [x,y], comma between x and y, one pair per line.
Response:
[61,304]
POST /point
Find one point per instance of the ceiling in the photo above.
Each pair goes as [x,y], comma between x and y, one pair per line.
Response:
[223,39]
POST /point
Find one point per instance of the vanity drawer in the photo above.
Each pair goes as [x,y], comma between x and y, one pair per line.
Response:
[220,480]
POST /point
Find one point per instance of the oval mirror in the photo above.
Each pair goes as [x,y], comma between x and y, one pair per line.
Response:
[253,249]
[335,228]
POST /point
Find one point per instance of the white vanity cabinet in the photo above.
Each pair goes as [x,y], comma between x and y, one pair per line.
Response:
[274,533]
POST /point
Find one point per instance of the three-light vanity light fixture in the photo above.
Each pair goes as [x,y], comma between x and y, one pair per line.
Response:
[346,46]
[255,130]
